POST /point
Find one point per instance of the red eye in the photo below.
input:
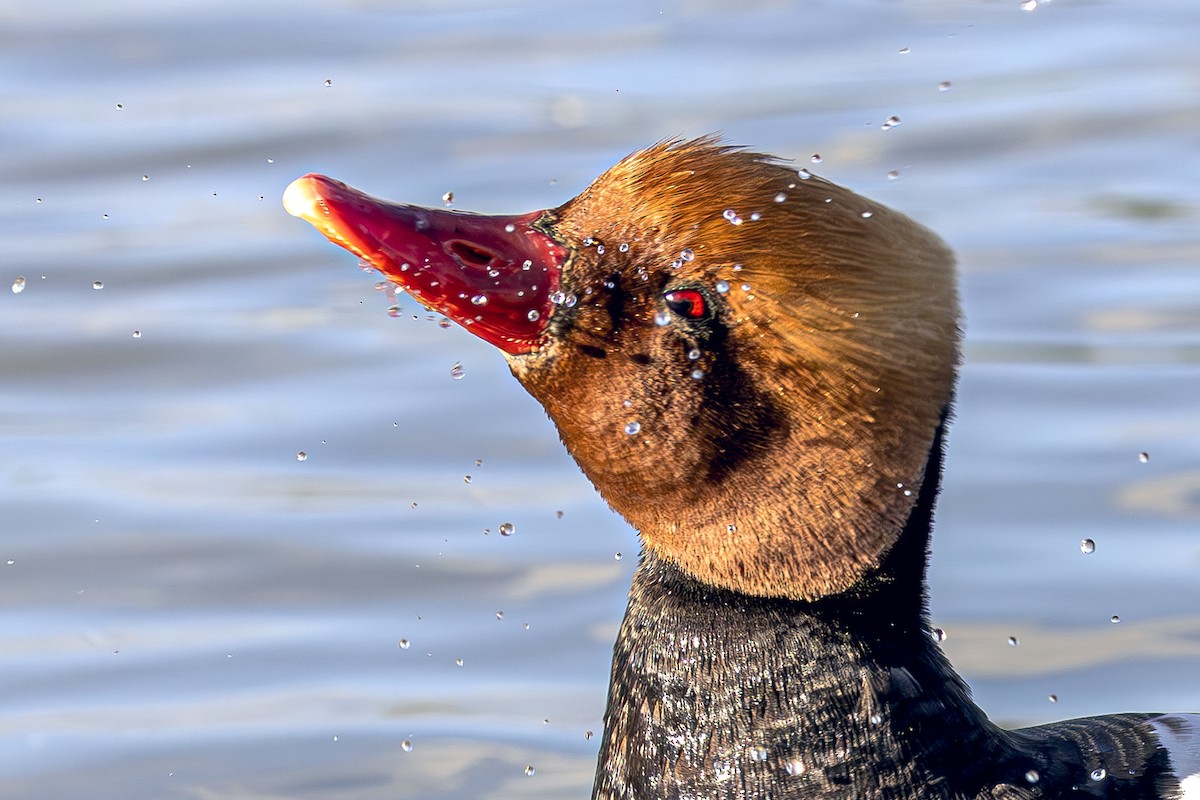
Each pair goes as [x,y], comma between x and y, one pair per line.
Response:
[687,303]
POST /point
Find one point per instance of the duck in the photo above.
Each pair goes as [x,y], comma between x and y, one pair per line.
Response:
[755,367]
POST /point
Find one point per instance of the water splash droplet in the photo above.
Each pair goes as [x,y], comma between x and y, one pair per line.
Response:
[893,174]
[533,315]
[18,285]
[479,300]
[394,311]
[328,83]
[1032,776]
[529,770]
[1028,5]
[687,254]
[406,745]
[466,478]
[732,216]
[1053,698]
[944,86]
[499,615]
[458,662]
[938,634]
[780,198]
[507,529]
[1143,456]
[815,158]
[448,199]
[405,644]
[617,556]
[457,372]
[1087,546]
[137,334]
[1013,641]
[302,456]
[1099,774]
[1114,619]
[97,285]
[662,318]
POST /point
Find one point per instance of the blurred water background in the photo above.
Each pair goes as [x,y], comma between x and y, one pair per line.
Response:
[188,610]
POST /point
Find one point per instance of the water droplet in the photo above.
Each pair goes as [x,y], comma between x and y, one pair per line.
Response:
[302,456]
[558,514]
[457,371]
[466,478]
[905,51]
[137,334]
[938,634]
[737,267]
[405,644]
[507,529]
[1032,776]
[458,662]
[529,770]
[444,323]
[662,318]
[1143,456]
[944,86]
[448,199]
[867,214]
[755,216]
[1053,698]
[1099,774]
[525,625]
[781,197]
[18,285]
[479,300]
[694,354]
[697,374]
[328,83]
[1028,5]
[687,254]
[732,216]
[145,177]
[1087,547]
[393,311]
[731,528]
[406,745]
[893,174]
[804,174]
[794,767]
[632,428]
[617,556]
[499,615]
[587,736]
[335,738]
[97,285]
[875,719]
[1013,641]
[1114,619]
[815,158]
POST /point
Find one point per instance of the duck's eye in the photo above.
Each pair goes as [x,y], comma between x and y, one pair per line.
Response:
[687,303]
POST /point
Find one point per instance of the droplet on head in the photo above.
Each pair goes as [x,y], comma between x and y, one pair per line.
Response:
[687,254]
[1099,774]
[1032,776]
[632,428]
[479,300]
[781,197]
[662,318]
[938,634]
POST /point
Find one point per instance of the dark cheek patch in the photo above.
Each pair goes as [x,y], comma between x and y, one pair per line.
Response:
[643,359]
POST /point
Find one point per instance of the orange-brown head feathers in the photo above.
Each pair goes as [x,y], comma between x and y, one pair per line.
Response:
[749,362]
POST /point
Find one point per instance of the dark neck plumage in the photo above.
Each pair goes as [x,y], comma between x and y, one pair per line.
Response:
[721,695]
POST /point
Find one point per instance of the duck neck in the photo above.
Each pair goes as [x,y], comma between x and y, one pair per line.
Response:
[719,694]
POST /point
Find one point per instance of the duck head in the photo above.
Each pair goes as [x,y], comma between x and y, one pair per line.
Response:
[749,362]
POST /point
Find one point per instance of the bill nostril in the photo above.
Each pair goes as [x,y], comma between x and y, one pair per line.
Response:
[469,254]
